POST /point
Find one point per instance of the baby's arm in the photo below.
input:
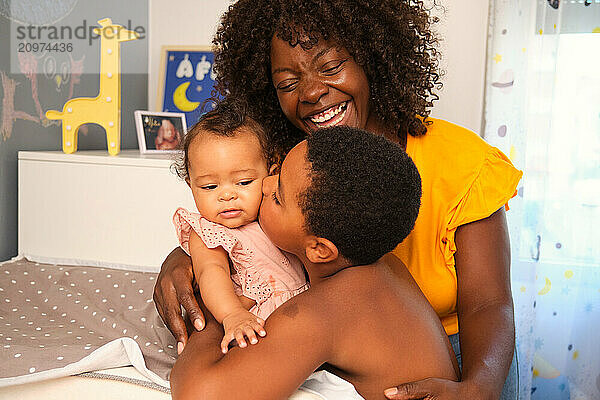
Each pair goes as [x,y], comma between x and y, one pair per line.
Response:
[211,269]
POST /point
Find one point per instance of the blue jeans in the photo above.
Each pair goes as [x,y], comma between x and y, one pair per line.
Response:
[510,391]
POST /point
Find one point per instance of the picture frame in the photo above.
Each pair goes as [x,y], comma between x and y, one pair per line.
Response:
[186,81]
[159,132]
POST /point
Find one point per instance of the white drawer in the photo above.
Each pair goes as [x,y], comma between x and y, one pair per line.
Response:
[92,207]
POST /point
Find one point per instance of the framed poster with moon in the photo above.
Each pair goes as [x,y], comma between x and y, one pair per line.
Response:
[186,81]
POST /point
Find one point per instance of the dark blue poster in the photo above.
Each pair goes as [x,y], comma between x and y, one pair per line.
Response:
[188,83]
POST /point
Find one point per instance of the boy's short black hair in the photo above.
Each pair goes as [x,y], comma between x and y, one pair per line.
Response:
[364,195]
[225,119]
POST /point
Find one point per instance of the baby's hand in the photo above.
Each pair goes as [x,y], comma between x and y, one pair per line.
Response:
[239,324]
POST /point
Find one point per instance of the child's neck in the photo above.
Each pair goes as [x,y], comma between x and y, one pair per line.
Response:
[318,272]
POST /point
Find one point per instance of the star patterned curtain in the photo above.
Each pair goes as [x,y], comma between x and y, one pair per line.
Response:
[543,109]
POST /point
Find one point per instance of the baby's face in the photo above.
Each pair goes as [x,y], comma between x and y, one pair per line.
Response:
[280,216]
[225,175]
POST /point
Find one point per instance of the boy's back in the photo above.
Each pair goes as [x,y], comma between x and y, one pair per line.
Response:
[364,324]
[370,314]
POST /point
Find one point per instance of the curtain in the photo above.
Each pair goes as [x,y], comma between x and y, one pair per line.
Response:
[543,110]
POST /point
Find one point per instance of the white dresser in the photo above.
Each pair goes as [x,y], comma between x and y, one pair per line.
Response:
[89,207]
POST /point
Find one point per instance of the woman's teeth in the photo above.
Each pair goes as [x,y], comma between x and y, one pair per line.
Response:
[331,116]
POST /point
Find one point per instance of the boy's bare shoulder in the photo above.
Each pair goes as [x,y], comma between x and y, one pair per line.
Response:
[322,303]
[383,311]
[365,283]
[364,292]
[356,288]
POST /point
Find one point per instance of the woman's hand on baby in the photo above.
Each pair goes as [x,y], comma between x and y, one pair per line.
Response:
[174,289]
[239,324]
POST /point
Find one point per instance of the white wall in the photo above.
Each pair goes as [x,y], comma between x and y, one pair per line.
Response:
[180,23]
[463,28]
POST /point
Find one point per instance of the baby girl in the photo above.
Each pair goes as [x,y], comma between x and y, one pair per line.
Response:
[224,162]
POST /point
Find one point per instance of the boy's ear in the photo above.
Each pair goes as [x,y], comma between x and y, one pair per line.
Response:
[274,169]
[320,250]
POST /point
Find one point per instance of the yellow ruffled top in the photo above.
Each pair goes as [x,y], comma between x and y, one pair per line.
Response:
[464,179]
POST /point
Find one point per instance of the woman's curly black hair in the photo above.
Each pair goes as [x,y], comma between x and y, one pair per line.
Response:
[364,194]
[391,39]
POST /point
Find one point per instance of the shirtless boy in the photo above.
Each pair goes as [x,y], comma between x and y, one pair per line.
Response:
[343,199]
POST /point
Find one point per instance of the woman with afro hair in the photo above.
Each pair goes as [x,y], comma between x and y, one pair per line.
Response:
[302,65]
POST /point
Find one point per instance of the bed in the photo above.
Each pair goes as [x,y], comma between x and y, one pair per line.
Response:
[76,312]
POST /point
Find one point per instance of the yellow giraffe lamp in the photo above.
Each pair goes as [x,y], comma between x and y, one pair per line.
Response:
[105,109]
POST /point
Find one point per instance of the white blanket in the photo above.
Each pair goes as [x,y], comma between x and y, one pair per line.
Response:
[60,321]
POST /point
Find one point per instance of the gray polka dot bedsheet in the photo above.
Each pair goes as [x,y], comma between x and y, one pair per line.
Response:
[58,320]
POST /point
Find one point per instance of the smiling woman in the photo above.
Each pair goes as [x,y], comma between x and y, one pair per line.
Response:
[380,57]
[320,87]
[302,65]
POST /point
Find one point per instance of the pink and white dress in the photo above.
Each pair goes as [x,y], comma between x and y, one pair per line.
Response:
[263,273]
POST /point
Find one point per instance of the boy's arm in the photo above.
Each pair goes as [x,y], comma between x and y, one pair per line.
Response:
[211,269]
[298,343]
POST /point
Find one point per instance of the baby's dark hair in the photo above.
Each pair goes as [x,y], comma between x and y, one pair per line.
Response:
[226,119]
[364,195]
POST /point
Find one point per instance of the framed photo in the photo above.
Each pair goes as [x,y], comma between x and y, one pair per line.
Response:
[159,132]
[186,81]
